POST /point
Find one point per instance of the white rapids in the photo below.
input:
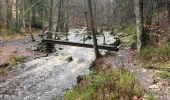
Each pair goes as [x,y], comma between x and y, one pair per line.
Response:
[47,77]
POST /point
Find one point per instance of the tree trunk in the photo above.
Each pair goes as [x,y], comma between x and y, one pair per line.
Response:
[9,14]
[49,36]
[30,28]
[43,15]
[0,11]
[33,16]
[149,15]
[86,17]
[49,47]
[24,9]
[97,54]
[139,22]
[168,6]
[61,14]
[67,13]
[17,15]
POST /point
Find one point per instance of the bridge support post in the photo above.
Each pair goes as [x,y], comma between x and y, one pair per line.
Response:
[84,38]
[49,47]
[67,37]
[104,40]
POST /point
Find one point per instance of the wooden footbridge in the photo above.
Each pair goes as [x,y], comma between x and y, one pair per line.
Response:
[66,42]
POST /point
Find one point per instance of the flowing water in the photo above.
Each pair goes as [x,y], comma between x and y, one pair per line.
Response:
[47,77]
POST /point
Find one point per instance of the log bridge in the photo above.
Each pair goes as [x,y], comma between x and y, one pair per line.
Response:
[62,42]
[103,47]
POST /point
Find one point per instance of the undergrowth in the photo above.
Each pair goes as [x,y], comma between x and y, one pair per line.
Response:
[109,85]
[14,59]
[7,34]
[155,54]
[157,58]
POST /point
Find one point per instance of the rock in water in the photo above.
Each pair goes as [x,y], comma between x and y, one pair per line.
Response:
[60,48]
[80,78]
[81,60]
[69,59]
[88,37]
[34,48]
[117,43]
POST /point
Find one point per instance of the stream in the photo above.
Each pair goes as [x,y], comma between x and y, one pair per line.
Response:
[47,77]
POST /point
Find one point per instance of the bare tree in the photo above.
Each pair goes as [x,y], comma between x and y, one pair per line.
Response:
[92,27]
[9,13]
[49,36]
[61,14]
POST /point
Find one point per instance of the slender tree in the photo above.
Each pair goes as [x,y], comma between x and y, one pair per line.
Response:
[0,11]
[85,13]
[67,14]
[30,22]
[17,15]
[49,36]
[9,13]
[61,15]
[43,15]
[139,22]
[168,6]
[92,27]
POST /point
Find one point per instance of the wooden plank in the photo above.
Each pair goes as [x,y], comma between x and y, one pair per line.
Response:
[103,47]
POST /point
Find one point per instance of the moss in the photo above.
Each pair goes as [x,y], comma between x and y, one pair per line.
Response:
[108,85]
